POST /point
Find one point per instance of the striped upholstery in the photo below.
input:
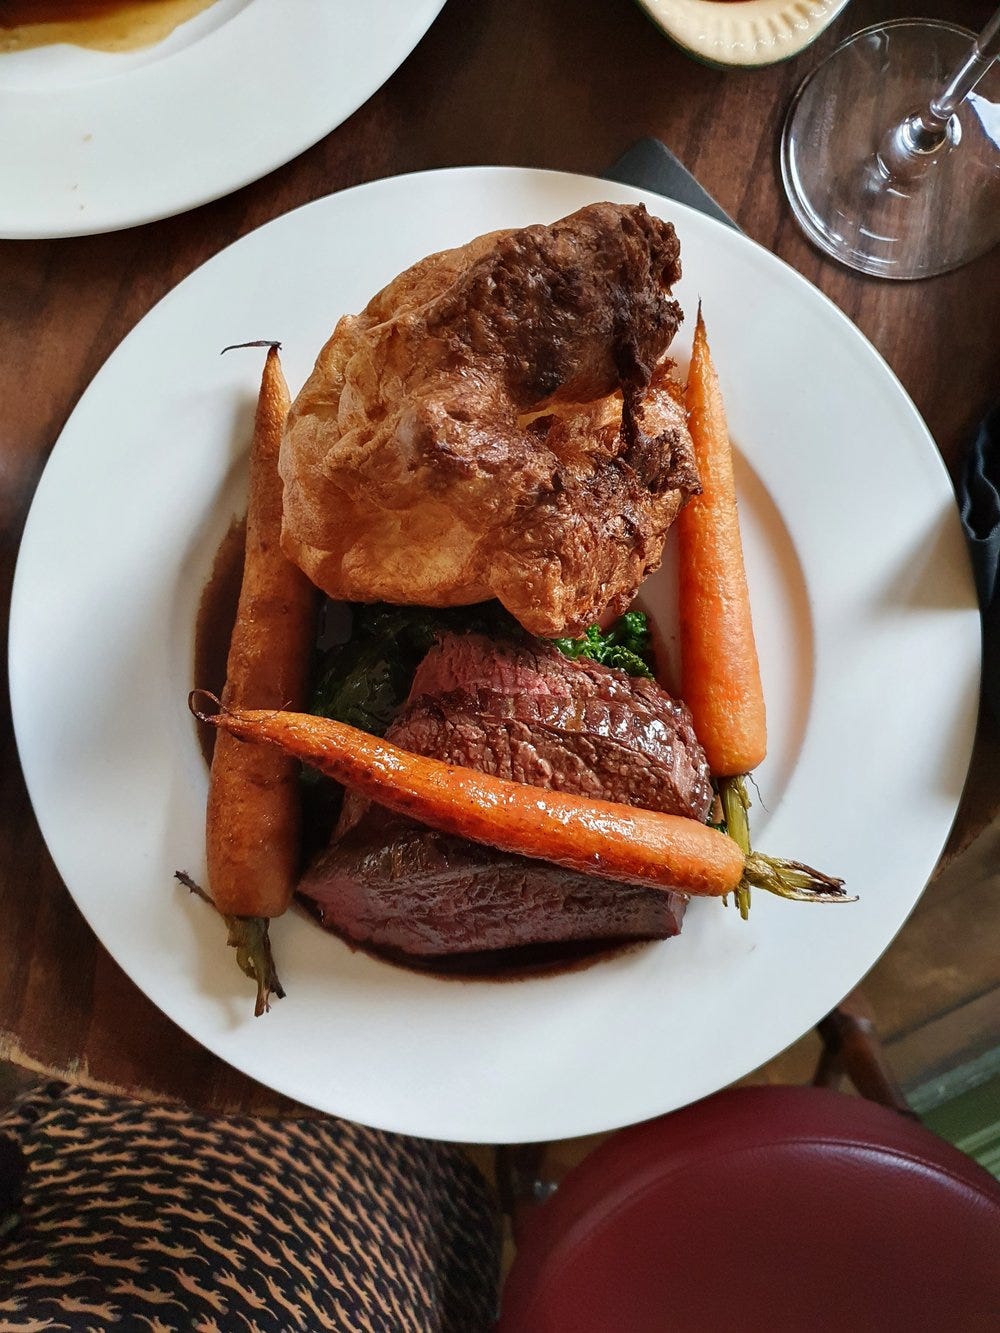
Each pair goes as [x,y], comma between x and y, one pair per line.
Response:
[154,1218]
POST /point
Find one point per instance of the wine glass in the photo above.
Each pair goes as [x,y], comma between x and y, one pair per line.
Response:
[890,154]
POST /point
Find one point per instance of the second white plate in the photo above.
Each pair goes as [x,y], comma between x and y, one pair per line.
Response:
[94,141]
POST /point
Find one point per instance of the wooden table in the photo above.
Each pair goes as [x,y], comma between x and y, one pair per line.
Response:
[566,84]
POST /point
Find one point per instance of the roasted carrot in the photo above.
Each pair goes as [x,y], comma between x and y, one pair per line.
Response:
[720,674]
[253,820]
[720,671]
[593,837]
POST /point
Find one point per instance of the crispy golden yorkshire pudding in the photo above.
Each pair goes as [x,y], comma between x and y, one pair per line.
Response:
[499,422]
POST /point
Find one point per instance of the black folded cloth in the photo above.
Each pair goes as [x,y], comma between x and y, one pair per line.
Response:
[650,165]
[979,502]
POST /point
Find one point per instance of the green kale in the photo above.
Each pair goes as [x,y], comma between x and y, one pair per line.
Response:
[626,644]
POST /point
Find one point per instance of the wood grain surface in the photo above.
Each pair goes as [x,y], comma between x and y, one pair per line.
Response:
[565,84]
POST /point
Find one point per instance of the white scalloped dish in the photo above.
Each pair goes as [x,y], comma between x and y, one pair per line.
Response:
[743,32]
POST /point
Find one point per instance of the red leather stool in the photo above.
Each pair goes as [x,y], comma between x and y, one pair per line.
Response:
[764,1208]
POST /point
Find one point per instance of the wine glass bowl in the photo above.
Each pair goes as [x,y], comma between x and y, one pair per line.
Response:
[883,170]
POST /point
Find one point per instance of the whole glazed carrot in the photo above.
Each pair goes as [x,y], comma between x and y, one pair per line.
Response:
[254,812]
[720,672]
[593,837]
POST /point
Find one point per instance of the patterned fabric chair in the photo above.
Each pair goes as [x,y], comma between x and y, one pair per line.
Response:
[139,1217]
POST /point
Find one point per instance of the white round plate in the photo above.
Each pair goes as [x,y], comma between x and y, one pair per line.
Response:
[94,141]
[865,615]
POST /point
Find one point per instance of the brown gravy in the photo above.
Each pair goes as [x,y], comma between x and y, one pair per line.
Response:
[521,964]
[216,618]
[213,630]
[101,25]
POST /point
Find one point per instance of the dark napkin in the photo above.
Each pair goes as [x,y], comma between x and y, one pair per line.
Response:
[650,165]
[979,502]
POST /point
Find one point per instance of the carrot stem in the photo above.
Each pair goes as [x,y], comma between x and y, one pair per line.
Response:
[735,810]
[250,937]
[792,879]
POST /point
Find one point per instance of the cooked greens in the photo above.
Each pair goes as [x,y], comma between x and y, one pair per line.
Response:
[626,645]
[365,680]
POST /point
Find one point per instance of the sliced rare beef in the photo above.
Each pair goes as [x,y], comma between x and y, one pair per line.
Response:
[531,666]
[590,746]
[394,885]
[523,711]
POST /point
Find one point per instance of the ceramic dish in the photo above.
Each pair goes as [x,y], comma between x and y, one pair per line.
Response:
[743,32]
[859,579]
[94,141]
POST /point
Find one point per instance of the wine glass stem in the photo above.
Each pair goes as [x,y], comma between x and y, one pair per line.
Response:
[909,147]
[984,51]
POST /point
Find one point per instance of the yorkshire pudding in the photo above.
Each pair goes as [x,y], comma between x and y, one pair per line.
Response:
[498,422]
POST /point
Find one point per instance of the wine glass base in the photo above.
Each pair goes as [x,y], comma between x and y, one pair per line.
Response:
[943,216]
